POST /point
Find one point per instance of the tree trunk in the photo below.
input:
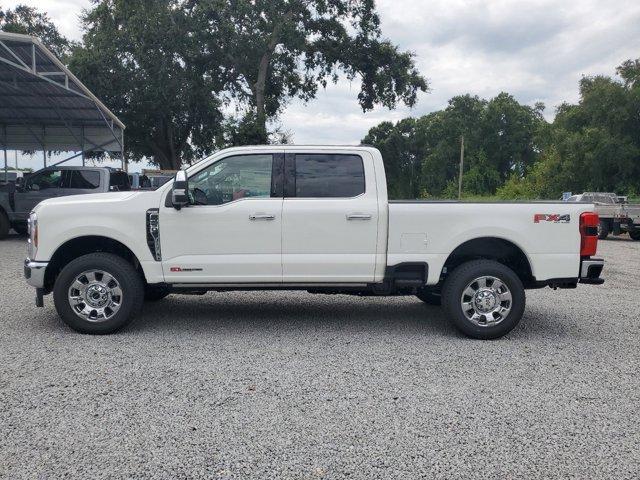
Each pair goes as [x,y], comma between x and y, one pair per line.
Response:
[261,79]
[261,116]
[166,150]
[164,156]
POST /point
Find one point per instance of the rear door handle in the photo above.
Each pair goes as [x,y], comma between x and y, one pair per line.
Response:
[358,216]
[262,216]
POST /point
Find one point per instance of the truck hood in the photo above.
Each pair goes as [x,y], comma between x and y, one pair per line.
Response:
[88,198]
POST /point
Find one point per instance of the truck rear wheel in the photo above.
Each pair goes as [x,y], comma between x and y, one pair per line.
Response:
[484,299]
[4,225]
[98,293]
[603,229]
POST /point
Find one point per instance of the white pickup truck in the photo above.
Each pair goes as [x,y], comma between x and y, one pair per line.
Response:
[306,218]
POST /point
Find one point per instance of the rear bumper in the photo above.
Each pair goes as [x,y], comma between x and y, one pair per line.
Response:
[34,272]
[590,271]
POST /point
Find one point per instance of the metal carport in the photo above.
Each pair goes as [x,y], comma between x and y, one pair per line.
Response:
[44,107]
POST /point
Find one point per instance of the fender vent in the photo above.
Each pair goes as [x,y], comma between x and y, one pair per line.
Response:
[153,233]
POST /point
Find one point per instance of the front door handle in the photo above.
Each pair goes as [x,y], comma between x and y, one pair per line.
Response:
[358,216]
[262,216]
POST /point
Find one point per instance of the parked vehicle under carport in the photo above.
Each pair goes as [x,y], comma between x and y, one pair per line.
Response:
[17,200]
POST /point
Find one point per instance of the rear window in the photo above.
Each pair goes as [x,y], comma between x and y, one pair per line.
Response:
[84,179]
[320,175]
[119,181]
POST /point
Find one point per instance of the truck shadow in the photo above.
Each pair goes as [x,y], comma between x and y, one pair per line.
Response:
[14,238]
[272,312]
[621,238]
[275,311]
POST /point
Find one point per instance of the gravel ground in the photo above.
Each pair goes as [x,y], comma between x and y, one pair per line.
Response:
[293,385]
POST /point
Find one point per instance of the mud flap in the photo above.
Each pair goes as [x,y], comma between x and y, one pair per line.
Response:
[39,298]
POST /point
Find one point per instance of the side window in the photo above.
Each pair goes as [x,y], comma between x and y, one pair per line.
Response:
[329,175]
[44,180]
[232,178]
[83,179]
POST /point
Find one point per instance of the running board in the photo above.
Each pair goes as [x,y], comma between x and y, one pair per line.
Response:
[262,286]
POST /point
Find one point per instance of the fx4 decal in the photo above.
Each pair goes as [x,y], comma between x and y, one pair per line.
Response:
[551,217]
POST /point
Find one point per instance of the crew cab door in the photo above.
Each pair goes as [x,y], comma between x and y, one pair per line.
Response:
[330,218]
[38,187]
[233,233]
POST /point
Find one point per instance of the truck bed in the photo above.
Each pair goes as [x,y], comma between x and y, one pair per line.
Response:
[547,231]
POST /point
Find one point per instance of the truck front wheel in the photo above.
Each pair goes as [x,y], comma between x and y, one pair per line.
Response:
[98,293]
[484,299]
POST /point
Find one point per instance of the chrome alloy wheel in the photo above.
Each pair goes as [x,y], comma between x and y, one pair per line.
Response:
[95,295]
[486,301]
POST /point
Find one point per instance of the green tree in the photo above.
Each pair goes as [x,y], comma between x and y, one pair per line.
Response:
[545,179]
[501,136]
[599,138]
[142,59]
[481,178]
[509,134]
[276,50]
[27,20]
[441,133]
[401,156]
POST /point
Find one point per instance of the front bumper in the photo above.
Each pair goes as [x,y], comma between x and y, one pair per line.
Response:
[590,271]
[34,272]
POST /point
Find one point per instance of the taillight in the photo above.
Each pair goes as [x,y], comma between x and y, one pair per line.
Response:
[589,233]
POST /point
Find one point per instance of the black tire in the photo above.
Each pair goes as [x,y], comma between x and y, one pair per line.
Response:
[459,280]
[122,271]
[155,293]
[430,296]
[20,228]
[4,225]
[603,229]
[635,235]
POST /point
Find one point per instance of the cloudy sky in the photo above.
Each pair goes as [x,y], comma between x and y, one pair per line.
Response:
[536,50]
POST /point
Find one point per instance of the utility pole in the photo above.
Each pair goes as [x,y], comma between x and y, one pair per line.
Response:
[461,167]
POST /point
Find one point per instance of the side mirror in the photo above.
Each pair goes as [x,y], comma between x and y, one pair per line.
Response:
[180,190]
